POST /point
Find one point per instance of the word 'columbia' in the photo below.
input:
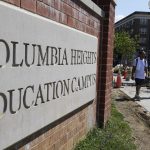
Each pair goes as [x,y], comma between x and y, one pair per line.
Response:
[25,54]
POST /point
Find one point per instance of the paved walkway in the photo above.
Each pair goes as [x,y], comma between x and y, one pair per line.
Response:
[144,93]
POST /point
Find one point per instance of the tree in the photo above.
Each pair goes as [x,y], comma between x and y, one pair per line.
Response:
[125,46]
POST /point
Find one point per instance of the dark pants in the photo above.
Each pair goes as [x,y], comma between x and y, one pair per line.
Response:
[139,81]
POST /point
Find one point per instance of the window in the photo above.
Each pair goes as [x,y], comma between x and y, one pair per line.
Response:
[143,21]
[143,30]
[143,40]
[131,31]
[131,22]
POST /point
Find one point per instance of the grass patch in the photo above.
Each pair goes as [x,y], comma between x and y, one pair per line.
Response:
[116,136]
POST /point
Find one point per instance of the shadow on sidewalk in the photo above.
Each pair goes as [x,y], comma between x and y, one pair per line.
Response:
[148,98]
[123,98]
[127,98]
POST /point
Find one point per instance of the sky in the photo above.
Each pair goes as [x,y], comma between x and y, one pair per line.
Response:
[126,7]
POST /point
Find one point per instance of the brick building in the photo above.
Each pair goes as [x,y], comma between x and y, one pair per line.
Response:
[91,18]
[137,23]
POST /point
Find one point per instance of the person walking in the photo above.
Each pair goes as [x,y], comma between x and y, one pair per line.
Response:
[139,72]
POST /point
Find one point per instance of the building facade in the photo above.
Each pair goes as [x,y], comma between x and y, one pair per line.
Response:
[137,24]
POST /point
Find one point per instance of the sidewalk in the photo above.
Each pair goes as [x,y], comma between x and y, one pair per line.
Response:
[130,91]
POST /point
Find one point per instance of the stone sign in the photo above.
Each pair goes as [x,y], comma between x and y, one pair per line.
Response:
[47,70]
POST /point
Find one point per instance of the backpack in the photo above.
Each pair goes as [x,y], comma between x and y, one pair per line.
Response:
[137,62]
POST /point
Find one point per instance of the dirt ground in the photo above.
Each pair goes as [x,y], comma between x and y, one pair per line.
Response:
[136,116]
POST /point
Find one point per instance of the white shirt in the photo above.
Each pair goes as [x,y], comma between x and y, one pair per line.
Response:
[140,68]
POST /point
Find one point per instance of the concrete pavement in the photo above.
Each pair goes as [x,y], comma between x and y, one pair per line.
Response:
[130,91]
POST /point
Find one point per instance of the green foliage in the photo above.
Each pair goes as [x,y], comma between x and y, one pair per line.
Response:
[116,136]
[125,45]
